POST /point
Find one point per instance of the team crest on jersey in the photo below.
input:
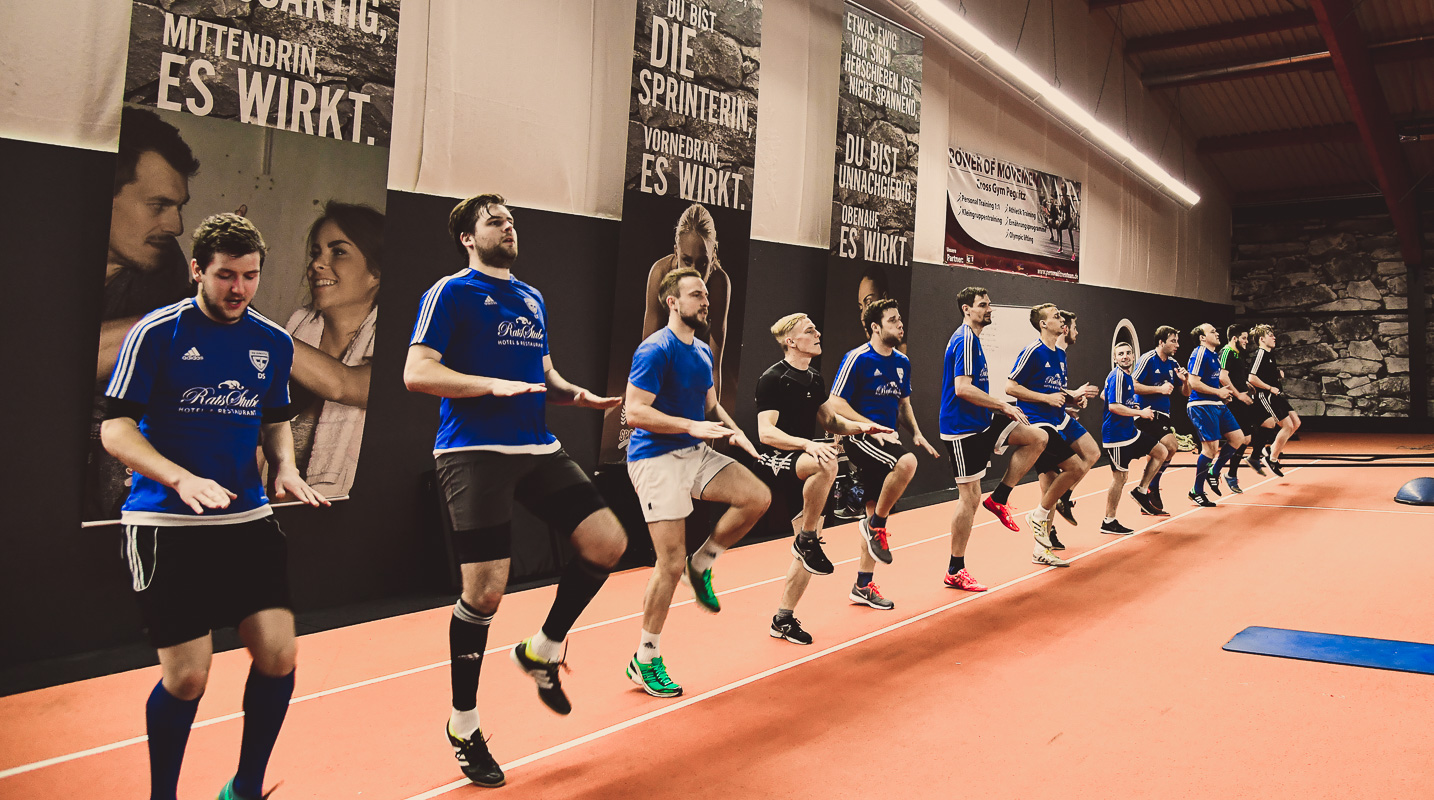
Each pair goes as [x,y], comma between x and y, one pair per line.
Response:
[532,304]
[259,358]
[901,373]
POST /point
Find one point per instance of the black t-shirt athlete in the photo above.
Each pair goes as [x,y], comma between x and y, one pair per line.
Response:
[796,395]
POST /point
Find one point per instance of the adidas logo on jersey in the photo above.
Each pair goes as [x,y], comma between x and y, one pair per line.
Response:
[877,372]
[489,301]
[193,355]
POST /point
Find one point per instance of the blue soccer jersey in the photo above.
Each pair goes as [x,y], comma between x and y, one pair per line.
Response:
[679,374]
[874,384]
[205,388]
[1152,370]
[964,356]
[1041,369]
[1115,429]
[1205,365]
[497,329]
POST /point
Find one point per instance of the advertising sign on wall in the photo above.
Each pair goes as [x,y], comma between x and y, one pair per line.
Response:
[1010,217]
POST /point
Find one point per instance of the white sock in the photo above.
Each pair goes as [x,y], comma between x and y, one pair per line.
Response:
[544,648]
[705,555]
[463,724]
[649,648]
[1108,520]
[1041,514]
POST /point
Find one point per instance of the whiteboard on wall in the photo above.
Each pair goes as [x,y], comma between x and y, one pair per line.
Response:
[1004,339]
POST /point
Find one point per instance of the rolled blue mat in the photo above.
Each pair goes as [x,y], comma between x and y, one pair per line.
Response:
[1332,648]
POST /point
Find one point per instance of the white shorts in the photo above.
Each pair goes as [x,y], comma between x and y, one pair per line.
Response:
[667,483]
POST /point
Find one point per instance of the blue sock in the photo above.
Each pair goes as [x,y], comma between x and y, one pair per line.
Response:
[1226,451]
[863,578]
[876,521]
[167,721]
[1155,482]
[1201,465]
[266,701]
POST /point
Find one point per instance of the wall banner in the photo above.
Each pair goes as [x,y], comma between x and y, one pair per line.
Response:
[691,152]
[279,111]
[1010,217]
[878,133]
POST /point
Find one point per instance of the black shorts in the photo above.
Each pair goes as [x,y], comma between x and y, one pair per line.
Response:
[1122,455]
[479,487]
[971,453]
[874,460]
[193,579]
[1250,417]
[1158,426]
[1276,404]
[1056,452]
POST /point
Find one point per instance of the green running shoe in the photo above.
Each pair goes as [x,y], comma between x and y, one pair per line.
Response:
[653,677]
[701,583]
[228,793]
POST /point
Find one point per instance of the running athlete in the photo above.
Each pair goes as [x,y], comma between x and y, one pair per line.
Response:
[670,395]
[972,433]
[481,344]
[875,379]
[792,401]
[198,385]
[1038,382]
[1209,389]
[1124,441]
[1157,376]
[1251,416]
[1084,447]
[1267,379]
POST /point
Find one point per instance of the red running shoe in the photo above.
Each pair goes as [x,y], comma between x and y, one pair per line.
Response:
[963,580]
[1002,512]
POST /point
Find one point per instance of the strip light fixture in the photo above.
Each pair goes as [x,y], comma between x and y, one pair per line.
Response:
[956,30]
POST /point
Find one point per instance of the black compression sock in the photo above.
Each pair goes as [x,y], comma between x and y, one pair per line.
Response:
[1002,494]
[958,563]
[580,583]
[467,639]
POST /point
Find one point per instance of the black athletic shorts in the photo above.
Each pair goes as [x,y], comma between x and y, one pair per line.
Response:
[780,466]
[1157,426]
[1276,404]
[193,579]
[874,460]
[1056,452]
[479,487]
[1250,417]
[971,454]
[1122,455]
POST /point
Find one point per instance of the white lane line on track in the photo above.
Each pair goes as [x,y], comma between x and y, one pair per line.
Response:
[1334,508]
[737,684]
[94,751]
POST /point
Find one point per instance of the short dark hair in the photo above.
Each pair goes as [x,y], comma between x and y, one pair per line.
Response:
[142,131]
[1038,313]
[668,286]
[229,234]
[1233,331]
[464,216]
[875,311]
[363,225]
[1067,316]
[1163,332]
[967,296]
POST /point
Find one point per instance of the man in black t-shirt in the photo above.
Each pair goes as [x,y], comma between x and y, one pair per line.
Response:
[1251,415]
[1266,379]
[792,400]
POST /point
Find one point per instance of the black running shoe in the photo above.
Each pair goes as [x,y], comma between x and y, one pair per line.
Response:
[1201,499]
[1066,508]
[550,689]
[474,759]
[1115,528]
[789,629]
[1275,467]
[1146,504]
[1056,544]
[1257,465]
[1212,480]
[809,552]
[1155,498]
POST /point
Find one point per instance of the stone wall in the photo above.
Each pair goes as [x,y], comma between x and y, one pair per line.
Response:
[1337,292]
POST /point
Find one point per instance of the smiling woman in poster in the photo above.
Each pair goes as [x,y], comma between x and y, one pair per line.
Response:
[694,246]
[333,342]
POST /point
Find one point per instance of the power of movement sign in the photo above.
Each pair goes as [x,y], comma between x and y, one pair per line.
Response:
[1012,218]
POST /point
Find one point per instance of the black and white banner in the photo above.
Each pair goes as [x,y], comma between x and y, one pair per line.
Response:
[1010,217]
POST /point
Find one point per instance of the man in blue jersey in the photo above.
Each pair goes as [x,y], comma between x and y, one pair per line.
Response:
[1158,375]
[197,386]
[1124,441]
[481,344]
[876,380]
[671,394]
[972,433]
[1081,440]
[1038,382]
[1209,390]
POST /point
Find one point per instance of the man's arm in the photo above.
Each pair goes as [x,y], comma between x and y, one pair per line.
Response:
[278,442]
[966,390]
[837,416]
[1201,386]
[425,372]
[121,437]
[1016,390]
[906,416]
[562,393]
[330,378]
[715,409]
[770,435]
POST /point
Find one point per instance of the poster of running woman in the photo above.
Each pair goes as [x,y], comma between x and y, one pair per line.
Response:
[1010,217]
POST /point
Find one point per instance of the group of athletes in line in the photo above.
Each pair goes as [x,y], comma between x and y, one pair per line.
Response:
[201,383]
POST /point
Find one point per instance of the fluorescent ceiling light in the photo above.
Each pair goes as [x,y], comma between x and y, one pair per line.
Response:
[980,47]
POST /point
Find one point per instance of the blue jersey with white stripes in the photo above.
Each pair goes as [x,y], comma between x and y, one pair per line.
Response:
[1041,369]
[964,356]
[678,375]
[204,387]
[497,329]
[1116,429]
[1205,365]
[874,384]
[1152,370]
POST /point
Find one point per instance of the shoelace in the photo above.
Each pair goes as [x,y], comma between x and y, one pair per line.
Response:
[659,672]
[879,534]
[874,589]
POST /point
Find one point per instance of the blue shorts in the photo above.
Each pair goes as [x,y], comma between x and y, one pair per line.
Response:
[1073,431]
[1212,422]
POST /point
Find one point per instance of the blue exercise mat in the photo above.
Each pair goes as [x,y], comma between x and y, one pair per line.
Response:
[1356,651]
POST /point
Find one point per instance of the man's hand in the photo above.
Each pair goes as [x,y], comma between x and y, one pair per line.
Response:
[703,429]
[1222,393]
[1146,413]
[873,428]
[1054,399]
[503,388]
[1167,388]
[821,451]
[1015,413]
[740,439]
[585,399]
[1181,373]
[920,441]
[1274,390]
[1245,398]
[889,437]
[288,485]
[1086,391]
[201,493]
